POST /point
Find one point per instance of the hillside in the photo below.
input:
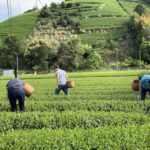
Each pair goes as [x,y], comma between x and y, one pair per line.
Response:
[99,15]
[102,24]
[22,25]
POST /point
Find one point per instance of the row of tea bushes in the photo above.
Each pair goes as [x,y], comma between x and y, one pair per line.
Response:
[125,138]
[71,120]
[89,105]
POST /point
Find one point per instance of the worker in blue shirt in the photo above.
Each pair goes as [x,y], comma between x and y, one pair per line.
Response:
[144,86]
[16,92]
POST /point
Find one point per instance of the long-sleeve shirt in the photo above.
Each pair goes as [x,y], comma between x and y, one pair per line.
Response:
[15,84]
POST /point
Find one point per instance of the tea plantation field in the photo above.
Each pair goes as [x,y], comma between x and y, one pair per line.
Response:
[21,25]
[100,19]
[101,112]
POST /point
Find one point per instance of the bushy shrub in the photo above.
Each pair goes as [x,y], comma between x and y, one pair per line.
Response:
[69,5]
[44,12]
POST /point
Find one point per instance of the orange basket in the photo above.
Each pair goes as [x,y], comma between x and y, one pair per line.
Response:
[70,84]
[135,85]
[29,90]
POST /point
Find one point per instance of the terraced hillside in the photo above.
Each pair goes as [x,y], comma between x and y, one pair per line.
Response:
[20,25]
[100,20]
[103,24]
[100,113]
[129,6]
[103,20]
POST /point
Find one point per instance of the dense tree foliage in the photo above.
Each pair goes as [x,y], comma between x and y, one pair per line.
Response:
[75,55]
[9,51]
[45,12]
[140,9]
[140,30]
[145,51]
[57,22]
[36,56]
[147,1]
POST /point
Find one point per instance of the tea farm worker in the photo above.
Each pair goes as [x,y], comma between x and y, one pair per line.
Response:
[62,78]
[144,86]
[16,92]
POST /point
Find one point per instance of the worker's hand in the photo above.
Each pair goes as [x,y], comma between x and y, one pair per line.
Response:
[138,97]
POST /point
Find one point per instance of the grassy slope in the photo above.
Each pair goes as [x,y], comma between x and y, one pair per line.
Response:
[129,6]
[108,16]
[85,74]
[21,25]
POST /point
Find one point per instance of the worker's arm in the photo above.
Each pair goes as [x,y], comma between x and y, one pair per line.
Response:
[57,79]
[66,77]
[140,90]
[7,86]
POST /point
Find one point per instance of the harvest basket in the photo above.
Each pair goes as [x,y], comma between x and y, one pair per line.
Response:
[135,85]
[29,90]
[70,84]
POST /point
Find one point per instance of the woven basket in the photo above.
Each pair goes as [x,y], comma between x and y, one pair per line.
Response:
[135,85]
[70,84]
[29,90]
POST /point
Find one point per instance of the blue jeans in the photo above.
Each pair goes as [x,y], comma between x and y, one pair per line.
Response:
[143,93]
[64,88]
[13,96]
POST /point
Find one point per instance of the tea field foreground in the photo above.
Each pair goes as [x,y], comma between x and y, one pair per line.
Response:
[101,112]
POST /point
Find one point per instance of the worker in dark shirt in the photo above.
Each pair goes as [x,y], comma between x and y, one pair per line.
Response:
[16,92]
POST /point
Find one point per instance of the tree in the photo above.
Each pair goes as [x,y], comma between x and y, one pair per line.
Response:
[130,62]
[139,27]
[93,60]
[9,50]
[36,56]
[137,32]
[76,27]
[77,4]
[54,23]
[44,12]
[147,1]
[69,55]
[69,5]
[68,19]
[52,59]
[63,5]
[140,9]
[53,6]
[62,21]
[145,51]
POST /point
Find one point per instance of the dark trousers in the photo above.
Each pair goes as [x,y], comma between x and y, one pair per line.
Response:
[13,96]
[64,88]
[143,93]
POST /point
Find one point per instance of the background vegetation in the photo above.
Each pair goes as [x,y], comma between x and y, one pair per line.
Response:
[88,34]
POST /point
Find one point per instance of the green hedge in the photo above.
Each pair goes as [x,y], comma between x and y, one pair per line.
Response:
[84,74]
[71,120]
[91,105]
[127,138]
